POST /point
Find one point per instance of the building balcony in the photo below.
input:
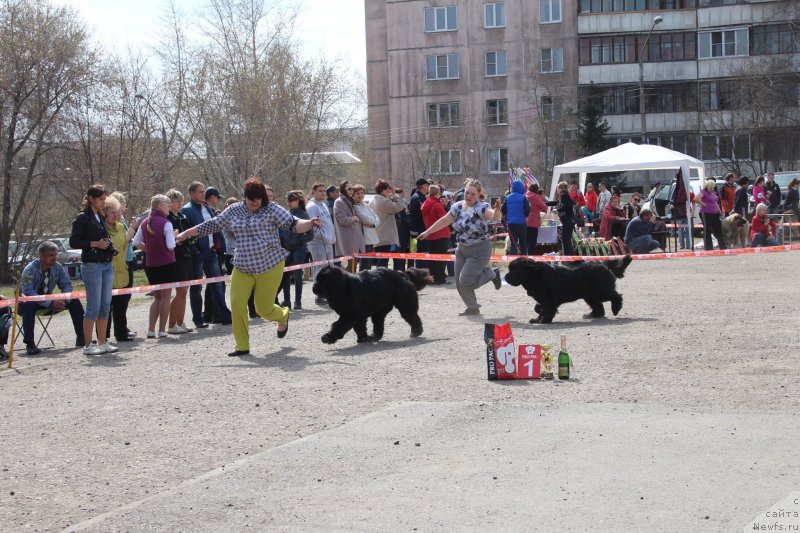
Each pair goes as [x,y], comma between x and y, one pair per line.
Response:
[635,22]
[622,73]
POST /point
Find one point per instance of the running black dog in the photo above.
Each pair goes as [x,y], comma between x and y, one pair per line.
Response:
[370,294]
[552,285]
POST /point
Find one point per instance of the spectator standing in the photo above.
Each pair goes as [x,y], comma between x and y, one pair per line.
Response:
[295,243]
[403,221]
[130,259]
[763,229]
[258,258]
[639,234]
[773,193]
[321,246]
[534,220]
[369,223]
[470,218]
[741,201]
[727,194]
[566,213]
[212,199]
[603,197]
[349,235]
[386,204]
[792,197]
[685,230]
[205,259]
[710,216]
[438,242]
[118,234]
[184,265]
[612,213]
[590,209]
[89,235]
[516,209]
[332,193]
[157,236]
[41,276]
[415,214]
[759,194]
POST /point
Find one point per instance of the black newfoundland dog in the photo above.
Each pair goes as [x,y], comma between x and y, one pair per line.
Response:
[370,294]
[552,285]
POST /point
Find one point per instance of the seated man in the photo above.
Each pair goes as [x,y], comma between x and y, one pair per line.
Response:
[763,229]
[638,236]
[41,276]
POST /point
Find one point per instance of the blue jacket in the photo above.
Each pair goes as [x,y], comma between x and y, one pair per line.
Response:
[32,276]
[194,215]
[516,208]
[638,227]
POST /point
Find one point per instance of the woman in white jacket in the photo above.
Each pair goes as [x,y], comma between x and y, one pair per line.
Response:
[321,247]
[369,222]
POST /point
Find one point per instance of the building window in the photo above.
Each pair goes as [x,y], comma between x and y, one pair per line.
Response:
[445,162]
[445,115]
[725,147]
[444,67]
[625,48]
[727,43]
[552,60]
[610,6]
[775,39]
[440,19]
[552,156]
[498,160]
[497,112]
[496,64]
[494,15]
[549,11]
[551,108]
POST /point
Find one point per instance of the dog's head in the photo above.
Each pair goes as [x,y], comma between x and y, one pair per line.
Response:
[736,220]
[331,280]
[523,270]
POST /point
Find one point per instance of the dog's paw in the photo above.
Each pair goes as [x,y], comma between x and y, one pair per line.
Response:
[328,338]
[537,308]
[536,320]
[362,340]
[590,316]
[416,332]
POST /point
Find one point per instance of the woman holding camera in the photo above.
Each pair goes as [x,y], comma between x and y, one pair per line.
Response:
[158,239]
[89,234]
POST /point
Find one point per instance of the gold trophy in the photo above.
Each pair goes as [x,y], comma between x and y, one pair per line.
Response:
[547,361]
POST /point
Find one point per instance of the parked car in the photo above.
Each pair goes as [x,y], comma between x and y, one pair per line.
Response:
[66,254]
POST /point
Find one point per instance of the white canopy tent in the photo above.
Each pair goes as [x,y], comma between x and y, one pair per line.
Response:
[627,157]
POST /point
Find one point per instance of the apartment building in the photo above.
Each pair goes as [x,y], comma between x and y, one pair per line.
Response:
[465,88]
[461,88]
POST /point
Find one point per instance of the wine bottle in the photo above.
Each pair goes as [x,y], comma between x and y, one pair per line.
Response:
[563,359]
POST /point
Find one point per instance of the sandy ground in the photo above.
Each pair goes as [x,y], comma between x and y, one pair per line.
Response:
[683,416]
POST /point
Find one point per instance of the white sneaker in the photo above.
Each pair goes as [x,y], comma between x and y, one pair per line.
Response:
[186,328]
[92,349]
[162,334]
[151,334]
[177,330]
[106,347]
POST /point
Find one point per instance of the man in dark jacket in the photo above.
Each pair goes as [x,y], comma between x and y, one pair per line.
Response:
[415,214]
[773,192]
[205,259]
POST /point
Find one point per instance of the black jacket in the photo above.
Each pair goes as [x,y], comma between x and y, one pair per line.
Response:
[741,203]
[415,209]
[566,209]
[775,198]
[85,229]
[792,199]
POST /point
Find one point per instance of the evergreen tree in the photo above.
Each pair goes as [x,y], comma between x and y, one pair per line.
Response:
[593,127]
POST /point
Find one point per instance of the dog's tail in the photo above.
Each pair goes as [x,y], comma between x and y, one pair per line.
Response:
[618,266]
[420,277]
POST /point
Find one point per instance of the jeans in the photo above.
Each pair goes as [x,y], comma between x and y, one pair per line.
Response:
[28,311]
[208,262]
[533,236]
[437,268]
[518,234]
[643,244]
[684,234]
[98,279]
[762,240]
[319,252]
[296,257]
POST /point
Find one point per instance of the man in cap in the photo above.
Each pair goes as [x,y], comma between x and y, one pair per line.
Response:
[213,198]
[415,213]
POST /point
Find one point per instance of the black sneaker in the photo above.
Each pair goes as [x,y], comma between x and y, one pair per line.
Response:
[253,315]
[32,349]
[498,282]
[237,353]
[298,306]
[201,326]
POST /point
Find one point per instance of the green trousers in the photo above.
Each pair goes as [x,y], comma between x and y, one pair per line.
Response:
[265,286]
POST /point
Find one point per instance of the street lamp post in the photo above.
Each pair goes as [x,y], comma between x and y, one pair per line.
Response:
[642,111]
[164,146]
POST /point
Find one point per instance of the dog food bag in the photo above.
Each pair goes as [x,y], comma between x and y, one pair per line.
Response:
[529,361]
[501,359]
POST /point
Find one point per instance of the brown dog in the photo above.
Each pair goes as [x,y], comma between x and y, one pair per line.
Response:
[736,231]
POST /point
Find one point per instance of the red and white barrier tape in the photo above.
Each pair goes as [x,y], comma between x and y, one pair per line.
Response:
[150,288]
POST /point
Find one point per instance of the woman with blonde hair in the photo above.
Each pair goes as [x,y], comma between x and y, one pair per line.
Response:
[710,215]
[470,218]
[157,237]
[117,232]
[184,265]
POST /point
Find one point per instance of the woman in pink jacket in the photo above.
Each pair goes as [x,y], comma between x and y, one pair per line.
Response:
[534,220]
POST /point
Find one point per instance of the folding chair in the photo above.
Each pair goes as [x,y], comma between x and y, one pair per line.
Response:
[43,312]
